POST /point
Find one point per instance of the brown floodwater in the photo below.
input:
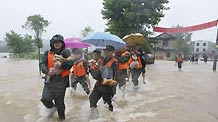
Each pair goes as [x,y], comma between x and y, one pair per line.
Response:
[168,96]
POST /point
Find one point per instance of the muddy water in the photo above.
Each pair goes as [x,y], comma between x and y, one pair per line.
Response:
[168,96]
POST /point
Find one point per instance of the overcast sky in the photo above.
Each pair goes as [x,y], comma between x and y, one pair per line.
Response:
[69,17]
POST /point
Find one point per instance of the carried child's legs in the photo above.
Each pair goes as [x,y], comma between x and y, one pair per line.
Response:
[107,74]
[47,78]
[55,70]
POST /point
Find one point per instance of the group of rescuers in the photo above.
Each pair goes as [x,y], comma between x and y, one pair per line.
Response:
[109,71]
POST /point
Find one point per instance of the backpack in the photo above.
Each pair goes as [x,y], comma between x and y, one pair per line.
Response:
[179,59]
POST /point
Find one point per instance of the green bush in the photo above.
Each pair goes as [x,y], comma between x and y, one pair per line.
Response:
[31,55]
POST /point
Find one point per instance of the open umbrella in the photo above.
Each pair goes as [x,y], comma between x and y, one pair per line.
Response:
[75,43]
[101,39]
[135,38]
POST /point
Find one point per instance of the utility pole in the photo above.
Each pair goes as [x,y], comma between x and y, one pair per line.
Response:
[154,53]
[215,51]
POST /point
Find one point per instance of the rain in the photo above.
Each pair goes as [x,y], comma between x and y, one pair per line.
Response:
[108,61]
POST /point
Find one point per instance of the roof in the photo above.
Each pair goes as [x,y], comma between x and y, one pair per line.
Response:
[164,36]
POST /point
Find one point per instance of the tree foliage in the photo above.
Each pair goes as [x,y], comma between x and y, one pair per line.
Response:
[37,24]
[131,16]
[86,31]
[3,47]
[182,40]
[19,44]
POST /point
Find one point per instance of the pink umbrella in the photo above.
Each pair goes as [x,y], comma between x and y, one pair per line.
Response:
[75,43]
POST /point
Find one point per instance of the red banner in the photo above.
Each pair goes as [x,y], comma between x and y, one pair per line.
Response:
[186,29]
[217,37]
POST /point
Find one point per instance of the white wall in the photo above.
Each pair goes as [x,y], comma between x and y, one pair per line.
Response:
[209,47]
[201,46]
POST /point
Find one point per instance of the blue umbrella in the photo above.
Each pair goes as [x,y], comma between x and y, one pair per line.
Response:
[102,39]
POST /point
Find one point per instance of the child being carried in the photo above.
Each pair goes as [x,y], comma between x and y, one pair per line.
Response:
[58,60]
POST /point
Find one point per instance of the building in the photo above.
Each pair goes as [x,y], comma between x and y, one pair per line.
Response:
[164,48]
[201,47]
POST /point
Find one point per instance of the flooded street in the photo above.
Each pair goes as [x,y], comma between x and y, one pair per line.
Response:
[169,95]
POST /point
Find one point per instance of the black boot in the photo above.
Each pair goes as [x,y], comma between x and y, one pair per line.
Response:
[61,115]
[87,91]
[111,107]
[61,119]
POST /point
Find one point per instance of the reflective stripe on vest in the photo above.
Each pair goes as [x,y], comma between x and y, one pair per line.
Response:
[125,65]
[79,69]
[51,62]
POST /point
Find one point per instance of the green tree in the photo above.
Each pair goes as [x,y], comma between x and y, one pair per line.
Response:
[29,43]
[3,47]
[86,31]
[37,24]
[14,42]
[131,16]
[182,40]
[19,44]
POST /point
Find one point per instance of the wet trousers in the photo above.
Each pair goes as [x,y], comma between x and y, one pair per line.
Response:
[106,92]
[57,95]
[135,75]
[122,75]
[180,65]
[82,81]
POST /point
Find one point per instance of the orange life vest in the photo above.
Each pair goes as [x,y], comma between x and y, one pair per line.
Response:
[139,61]
[125,65]
[179,59]
[51,63]
[79,69]
[109,64]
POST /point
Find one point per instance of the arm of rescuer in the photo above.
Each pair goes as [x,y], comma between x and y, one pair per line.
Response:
[67,65]
[123,59]
[44,63]
[86,65]
[143,59]
[115,67]
[142,56]
[94,71]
